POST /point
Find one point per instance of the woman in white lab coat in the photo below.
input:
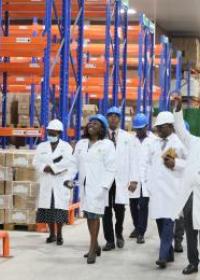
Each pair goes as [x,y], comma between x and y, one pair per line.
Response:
[95,159]
[52,161]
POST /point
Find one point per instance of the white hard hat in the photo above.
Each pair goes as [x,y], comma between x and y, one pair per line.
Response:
[164,118]
[55,125]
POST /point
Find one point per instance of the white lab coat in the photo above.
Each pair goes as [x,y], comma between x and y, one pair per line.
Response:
[163,184]
[96,167]
[127,165]
[54,183]
[191,177]
[139,151]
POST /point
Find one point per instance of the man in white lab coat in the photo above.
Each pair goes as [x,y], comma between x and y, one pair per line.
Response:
[191,189]
[139,198]
[165,158]
[126,177]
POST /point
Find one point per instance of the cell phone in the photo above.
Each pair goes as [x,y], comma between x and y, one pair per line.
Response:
[58,159]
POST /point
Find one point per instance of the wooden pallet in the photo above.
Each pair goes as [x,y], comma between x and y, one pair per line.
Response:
[18,227]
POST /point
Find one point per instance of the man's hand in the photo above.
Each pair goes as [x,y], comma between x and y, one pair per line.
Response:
[177,103]
[169,162]
[132,187]
[48,169]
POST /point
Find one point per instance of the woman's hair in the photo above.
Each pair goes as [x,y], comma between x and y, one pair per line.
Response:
[102,133]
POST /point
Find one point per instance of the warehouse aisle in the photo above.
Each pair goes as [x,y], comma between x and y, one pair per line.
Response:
[34,260]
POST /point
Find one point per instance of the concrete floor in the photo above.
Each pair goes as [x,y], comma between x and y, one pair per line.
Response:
[34,260]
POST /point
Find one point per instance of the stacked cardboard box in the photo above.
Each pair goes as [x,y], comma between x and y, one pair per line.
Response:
[18,187]
[23,110]
[129,112]
[88,110]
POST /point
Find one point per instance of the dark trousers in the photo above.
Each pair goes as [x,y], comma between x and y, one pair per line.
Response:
[179,230]
[191,234]
[119,210]
[139,208]
[166,234]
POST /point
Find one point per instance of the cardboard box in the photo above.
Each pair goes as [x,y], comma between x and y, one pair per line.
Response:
[6,202]
[6,174]
[2,188]
[1,217]
[89,109]
[129,111]
[20,216]
[24,203]
[22,188]
[2,158]
[25,174]
[8,119]
[23,108]
[23,120]
[19,158]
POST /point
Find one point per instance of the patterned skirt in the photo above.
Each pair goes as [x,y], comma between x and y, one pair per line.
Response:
[51,215]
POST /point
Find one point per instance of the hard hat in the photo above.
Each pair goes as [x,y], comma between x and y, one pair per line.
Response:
[114,110]
[55,125]
[140,121]
[165,117]
[187,126]
[101,119]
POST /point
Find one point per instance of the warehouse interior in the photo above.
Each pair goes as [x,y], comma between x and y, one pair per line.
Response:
[69,60]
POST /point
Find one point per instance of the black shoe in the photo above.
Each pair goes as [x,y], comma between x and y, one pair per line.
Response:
[51,239]
[91,259]
[133,234]
[161,263]
[98,252]
[178,248]
[140,239]
[109,247]
[60,241]
[170,259]
[190,269]
[120,243]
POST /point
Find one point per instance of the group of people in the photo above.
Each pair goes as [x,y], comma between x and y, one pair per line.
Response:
[152,172]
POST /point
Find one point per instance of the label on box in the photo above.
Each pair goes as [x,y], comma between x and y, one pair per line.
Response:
[19,216]
[2,175]
[20,162]
[20,189]
[1,201]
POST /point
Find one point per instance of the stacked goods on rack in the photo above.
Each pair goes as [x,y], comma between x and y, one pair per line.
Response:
[190,48]
[88,110]
[9,102]
[19,189]
[129,112]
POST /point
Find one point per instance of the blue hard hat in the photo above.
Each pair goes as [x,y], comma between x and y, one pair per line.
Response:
[187,126]
[140,121]
[114,110]
[101,119]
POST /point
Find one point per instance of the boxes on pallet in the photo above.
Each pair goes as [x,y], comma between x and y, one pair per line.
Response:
[6,202]
[24,203]
[6,174]
[19,217]
[23,121]
[23,108]
[25,174]
[8,119]
[2,187]
[19,158]
[89,109]
[128,123]
[129,111]
[22,188]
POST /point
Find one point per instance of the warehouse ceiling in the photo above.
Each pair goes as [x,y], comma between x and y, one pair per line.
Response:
[177,16]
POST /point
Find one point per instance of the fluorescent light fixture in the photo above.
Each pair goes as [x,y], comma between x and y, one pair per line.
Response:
[131,11]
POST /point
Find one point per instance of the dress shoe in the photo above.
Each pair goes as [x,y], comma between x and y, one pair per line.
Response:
[109,247]
[51,239]
[91,259]
[133,234]
[120,243]
[161,263]
[178,247]
[98,252]
[60,241]
[190,269]
[140,239]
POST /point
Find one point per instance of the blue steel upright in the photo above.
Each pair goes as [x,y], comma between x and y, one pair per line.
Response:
[64,64]
[178,71]
[45,96]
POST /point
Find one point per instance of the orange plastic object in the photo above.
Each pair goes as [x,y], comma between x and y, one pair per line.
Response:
[6,243]
[42,227]
[71,212]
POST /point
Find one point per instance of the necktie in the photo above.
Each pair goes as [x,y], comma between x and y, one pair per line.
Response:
[113,137]
[164,144]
